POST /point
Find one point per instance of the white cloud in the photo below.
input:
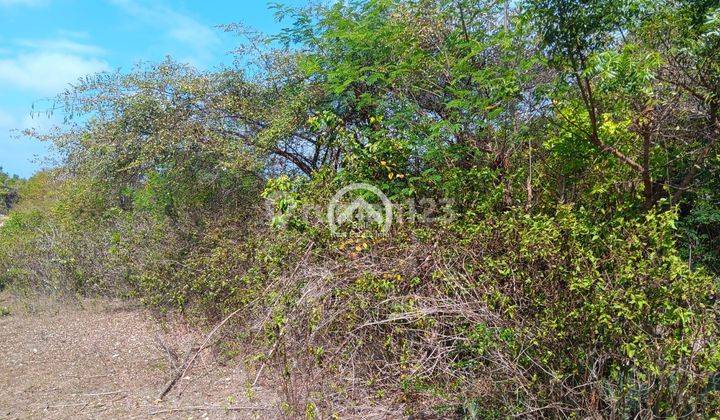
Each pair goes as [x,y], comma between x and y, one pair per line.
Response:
[61,45]
[48,66]
[177,26]
[45,72]
[193,33]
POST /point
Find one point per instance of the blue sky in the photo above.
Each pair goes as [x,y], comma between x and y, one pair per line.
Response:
[47,44]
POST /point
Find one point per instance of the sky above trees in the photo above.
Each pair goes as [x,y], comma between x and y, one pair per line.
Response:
[47,44]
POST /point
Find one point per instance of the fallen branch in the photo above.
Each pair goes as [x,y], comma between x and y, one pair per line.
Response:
[178,374]
[98,394]
[210,408]
[67,405]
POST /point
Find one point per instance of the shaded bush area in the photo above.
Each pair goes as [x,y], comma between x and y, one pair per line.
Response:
[578,274]
[8,191]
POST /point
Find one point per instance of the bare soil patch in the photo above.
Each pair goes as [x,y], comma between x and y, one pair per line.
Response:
[112,360]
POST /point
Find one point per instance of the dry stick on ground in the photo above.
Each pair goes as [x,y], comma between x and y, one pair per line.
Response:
[100,394]
[188,361]
[179,373]
[210,408]
[67,405]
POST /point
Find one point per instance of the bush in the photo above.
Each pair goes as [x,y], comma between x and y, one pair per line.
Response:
[514,315]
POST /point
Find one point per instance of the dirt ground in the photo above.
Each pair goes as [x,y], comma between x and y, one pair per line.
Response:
[113,360]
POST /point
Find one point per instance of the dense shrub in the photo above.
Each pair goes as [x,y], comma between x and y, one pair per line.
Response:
[513,315]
